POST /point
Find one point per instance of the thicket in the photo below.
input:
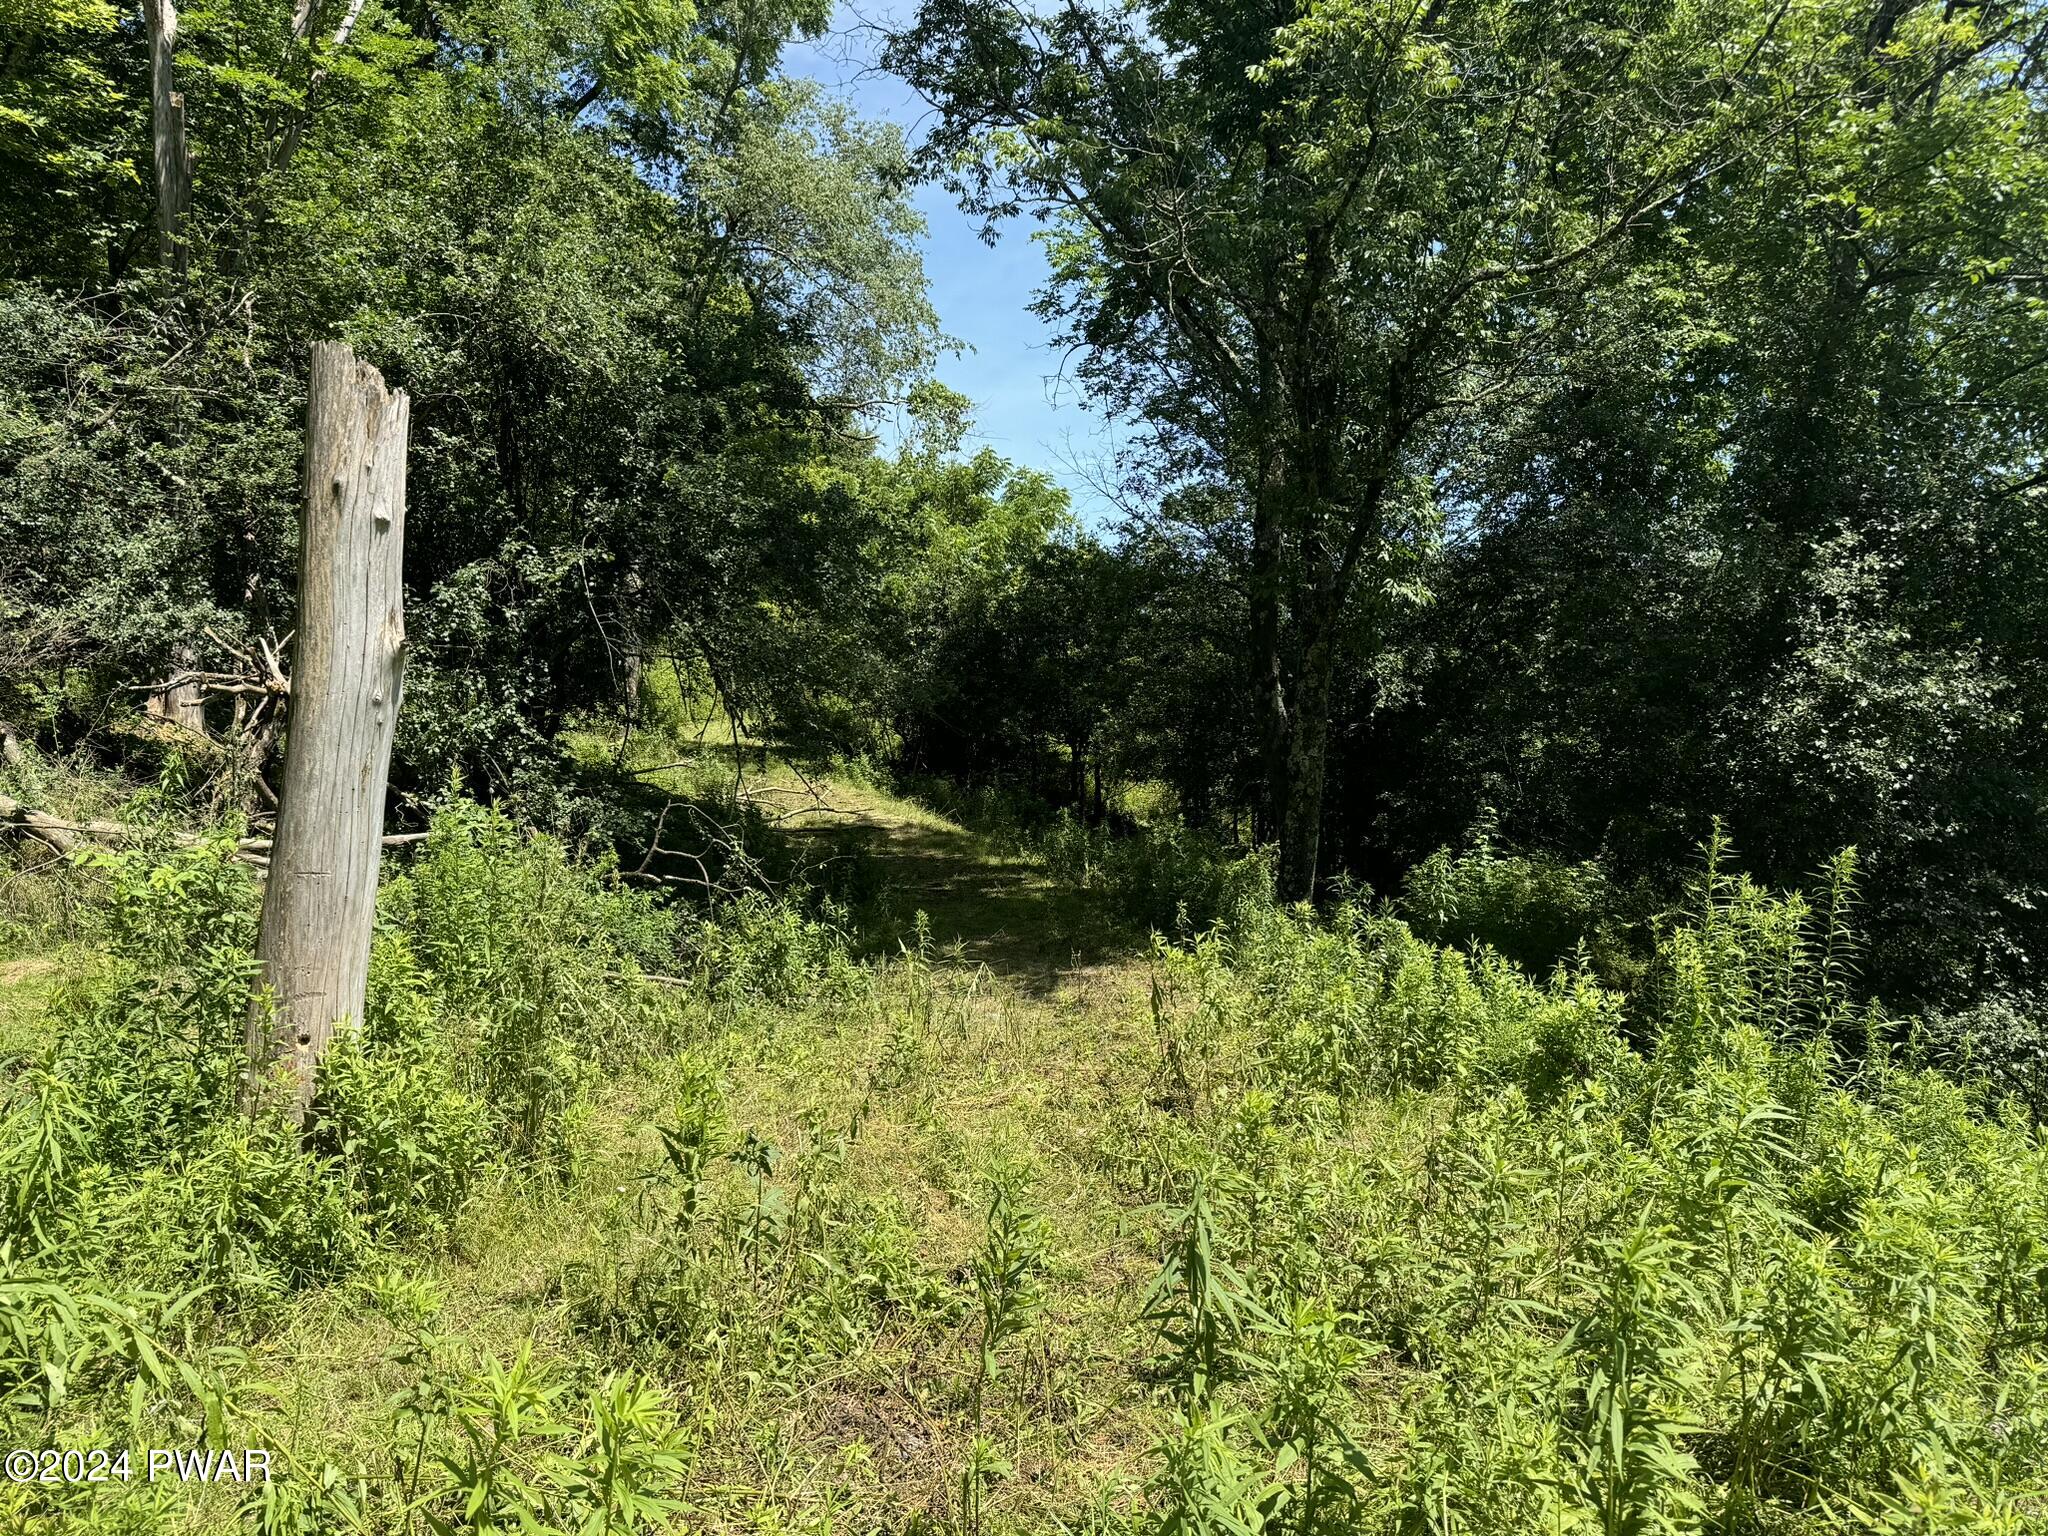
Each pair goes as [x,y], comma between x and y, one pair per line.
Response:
[1589,513]
[1461,1249]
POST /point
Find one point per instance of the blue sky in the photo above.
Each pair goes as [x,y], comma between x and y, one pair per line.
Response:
[1009,368]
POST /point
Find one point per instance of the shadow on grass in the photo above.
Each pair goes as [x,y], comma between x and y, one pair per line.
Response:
[1002,913]
[883,858]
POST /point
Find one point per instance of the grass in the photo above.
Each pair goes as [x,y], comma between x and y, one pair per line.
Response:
[26,984]
[982,905]
[1007,1074]
[1017,1054]
[1303,1226]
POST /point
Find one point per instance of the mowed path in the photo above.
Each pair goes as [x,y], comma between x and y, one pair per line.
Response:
[983,907]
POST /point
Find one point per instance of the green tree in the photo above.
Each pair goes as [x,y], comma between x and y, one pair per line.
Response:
[642,287]
[71,99]
[1312,240]
[1773,549]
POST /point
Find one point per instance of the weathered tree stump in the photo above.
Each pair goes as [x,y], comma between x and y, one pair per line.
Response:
[321,896]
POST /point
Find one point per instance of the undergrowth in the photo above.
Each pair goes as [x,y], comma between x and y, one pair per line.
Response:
[1298,1223]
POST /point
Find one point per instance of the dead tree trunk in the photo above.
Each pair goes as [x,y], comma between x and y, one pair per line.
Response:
[314,945]
[181,701]
[167,122]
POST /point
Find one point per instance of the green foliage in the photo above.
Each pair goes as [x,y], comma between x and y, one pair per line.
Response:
[757,949]
[519,952]
[1634,1349]
[1611,416]
[630,271]
[531,1461]
[409,1140]
[56,1340]
[1362,1004]
[500,977]
[1536,911]
[1773,595]
[1006,1272]
[69,167]
[1728,1277]
[699,1136]
[1169,878]
[1198,1301]
[2003,1043]
[1436,1245]
[748,1252]
[152,1049]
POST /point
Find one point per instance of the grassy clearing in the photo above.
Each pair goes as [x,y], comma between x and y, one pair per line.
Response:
[888,856]
[893,1107]
[632,1220]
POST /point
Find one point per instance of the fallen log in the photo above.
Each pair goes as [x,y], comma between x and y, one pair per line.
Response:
[64,836]
[68,836]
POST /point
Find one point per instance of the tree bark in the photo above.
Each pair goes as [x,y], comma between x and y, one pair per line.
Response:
[172,155]
[182,699]
[633,669]
[1301,807]
[1269,682]
[320,901]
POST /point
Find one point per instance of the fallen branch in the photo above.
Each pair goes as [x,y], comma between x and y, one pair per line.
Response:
[395,840]
[66,836]
[63,836]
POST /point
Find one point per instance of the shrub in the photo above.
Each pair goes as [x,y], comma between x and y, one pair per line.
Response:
[152,1047]
[1169,879]
[2000,1042]
[128,1149]
[762,949]
[1746,1268]
[526,960]
[1359,1004]
[1535,910]
[1739,955]
[409,1140]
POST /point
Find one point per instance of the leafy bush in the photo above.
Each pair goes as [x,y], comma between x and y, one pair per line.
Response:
[525,960]
[1535,910]
[2001,1042]
[1441,1245]
[500,973]
[533,1457]
[152,1047]
[761,949]
[1739,956]
[1169,879]
[409,1140]
[1360,1004]
[126,1149]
